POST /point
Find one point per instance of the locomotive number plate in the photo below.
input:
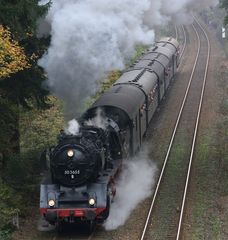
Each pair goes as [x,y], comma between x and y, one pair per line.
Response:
[72,172]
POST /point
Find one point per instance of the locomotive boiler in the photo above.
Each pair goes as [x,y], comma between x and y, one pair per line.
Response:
[83,167]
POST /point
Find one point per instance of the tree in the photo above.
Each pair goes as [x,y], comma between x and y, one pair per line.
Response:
[224,4]
[21,79]
[20,17]
[21,84]
[12,56]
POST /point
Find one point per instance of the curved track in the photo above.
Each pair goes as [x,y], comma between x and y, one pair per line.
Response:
[184,135]
[183,42]
[195,133]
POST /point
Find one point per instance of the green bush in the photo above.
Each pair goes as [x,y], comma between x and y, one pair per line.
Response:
[9,205]
[8,121]
[5,234]
[39,128]
[224,107]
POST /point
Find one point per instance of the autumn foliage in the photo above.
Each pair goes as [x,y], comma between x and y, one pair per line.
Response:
[12,56]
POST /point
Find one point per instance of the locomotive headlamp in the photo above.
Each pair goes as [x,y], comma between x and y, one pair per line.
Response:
[70,153]
[92,201]
[51,203]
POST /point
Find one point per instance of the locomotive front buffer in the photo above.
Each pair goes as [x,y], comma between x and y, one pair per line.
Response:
[72,205]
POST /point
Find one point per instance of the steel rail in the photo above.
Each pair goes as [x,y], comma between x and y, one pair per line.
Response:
[195,131]
[71,238]
[91,235]
[176,31]
[171,143]
[185,42]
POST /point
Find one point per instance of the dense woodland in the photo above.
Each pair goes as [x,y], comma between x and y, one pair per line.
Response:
[21,90]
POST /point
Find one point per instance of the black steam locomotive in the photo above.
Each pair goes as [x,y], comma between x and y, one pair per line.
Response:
[83,167]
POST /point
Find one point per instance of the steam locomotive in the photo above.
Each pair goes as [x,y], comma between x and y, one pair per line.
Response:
[83,167]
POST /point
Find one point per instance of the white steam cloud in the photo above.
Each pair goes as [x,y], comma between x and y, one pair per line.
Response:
[91,37]
[99,120]
[135,184]
[73,127]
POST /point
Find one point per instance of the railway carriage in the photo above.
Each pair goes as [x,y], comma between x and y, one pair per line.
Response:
[83,168]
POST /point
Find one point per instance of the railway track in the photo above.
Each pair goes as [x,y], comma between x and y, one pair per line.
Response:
[101,234]
[183,42]
[181,38]
[74,233]
[174,177]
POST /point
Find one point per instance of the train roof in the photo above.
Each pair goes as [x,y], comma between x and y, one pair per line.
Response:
[140,76]
[146,71]
[127,95]
[155,56]
[168,41]
[155,65]
[128,98]
[167,52]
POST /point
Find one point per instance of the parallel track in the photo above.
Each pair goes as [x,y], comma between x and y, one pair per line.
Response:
[179,39]
[73,235]
[195,133]
[184,43]
[161,180]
